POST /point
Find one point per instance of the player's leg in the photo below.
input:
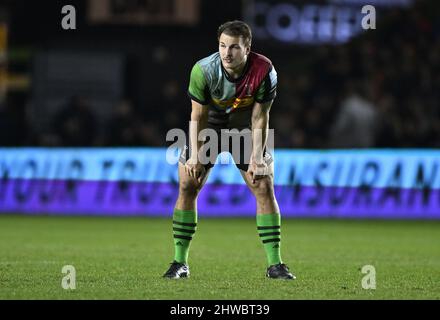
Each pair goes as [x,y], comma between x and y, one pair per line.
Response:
[184,221]
[268,221]
[189,189]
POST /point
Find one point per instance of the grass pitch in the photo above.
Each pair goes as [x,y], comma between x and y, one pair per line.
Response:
[124,258]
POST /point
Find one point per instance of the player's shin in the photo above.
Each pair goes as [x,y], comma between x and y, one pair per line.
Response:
[184,227]
[269,230]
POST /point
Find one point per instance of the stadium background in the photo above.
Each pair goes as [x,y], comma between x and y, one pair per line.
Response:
[84,115]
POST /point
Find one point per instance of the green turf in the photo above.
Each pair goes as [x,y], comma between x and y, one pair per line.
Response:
[124,258]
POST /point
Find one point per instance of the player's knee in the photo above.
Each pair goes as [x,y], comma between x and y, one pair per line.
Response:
[264,187]
[188,187]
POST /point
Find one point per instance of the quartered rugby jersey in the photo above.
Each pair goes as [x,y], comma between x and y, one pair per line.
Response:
[231,100]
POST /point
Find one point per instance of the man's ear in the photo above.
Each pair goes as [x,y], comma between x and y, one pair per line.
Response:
[248,50]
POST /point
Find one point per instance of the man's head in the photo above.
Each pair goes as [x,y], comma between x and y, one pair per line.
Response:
[235,38]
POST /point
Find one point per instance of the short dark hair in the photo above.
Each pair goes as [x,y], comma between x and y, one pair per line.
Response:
[236,28]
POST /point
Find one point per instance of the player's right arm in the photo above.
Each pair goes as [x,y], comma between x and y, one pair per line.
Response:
[199,120]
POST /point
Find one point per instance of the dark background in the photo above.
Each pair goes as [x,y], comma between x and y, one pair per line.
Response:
[125,84]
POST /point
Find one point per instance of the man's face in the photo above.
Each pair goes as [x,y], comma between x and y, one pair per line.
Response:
[233,51]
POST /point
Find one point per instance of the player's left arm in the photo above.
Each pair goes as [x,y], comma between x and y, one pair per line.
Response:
[260,124]
[260,127]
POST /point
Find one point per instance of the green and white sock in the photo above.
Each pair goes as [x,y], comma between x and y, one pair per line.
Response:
[269,230]
[184,227]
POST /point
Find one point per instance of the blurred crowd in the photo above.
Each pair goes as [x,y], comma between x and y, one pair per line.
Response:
[75,125]
[380,90]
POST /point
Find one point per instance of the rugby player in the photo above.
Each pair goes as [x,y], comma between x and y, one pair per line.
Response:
[231,89]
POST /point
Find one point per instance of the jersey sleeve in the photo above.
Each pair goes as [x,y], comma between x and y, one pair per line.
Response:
[198,87]
[268,88]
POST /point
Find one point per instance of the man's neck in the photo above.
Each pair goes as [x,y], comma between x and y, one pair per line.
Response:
[237,71]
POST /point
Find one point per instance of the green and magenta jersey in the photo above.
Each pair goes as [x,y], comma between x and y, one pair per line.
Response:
[230,100]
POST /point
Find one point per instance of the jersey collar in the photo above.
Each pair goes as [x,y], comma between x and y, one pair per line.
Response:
[245,70]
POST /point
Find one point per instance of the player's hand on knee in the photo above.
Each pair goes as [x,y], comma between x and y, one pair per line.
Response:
[195,169]
[257,171]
